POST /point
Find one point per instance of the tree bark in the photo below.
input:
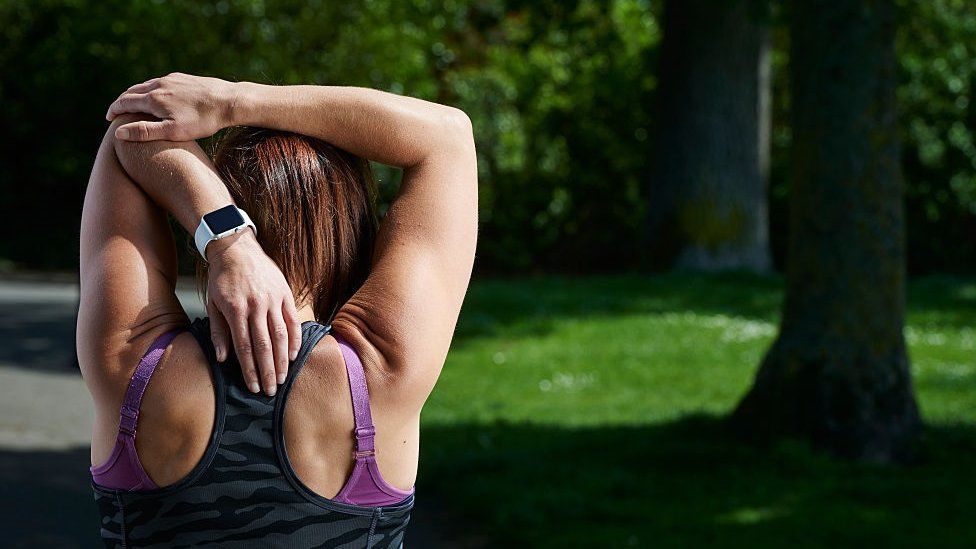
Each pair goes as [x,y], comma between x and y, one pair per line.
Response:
[838,373]
[707,194]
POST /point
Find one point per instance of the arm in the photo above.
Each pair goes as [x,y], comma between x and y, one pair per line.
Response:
[403,318]
[118,273]
[392,129]
[128,275]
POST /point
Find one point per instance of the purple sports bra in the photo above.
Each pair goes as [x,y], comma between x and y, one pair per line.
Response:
[365,486]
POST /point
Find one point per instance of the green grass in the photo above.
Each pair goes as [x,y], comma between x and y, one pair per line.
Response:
[587,412]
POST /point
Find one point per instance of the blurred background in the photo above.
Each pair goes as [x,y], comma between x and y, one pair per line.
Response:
[656,180]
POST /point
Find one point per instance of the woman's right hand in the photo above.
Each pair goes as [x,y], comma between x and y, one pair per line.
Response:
[251,305]
[187,107]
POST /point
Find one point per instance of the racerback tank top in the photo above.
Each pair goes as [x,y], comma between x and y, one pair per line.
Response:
[243,492]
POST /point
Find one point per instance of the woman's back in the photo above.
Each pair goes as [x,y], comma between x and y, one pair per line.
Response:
[285,455]
[185,449]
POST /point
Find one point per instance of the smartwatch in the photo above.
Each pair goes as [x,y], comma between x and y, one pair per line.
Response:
[220,223]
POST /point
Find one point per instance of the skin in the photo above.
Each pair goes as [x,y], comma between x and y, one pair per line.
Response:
[400,322]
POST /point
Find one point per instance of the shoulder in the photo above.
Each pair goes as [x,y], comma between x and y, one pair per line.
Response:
[398,388]
[323,374]
[182,385]
[176,409]
[108,360]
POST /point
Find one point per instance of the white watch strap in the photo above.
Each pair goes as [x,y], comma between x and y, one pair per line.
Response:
[203,235]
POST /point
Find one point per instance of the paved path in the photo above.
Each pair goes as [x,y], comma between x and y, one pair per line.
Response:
[45,423]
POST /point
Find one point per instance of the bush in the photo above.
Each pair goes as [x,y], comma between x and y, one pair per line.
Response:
[561,95]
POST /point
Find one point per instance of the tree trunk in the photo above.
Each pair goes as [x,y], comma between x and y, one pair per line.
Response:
[707,194]
[838,372]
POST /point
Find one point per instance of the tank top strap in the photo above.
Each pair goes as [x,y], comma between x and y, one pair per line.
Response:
[365,431]
[140,380]
[313,333]
[200,329]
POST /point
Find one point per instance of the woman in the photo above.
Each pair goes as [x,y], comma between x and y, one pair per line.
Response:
[344,327]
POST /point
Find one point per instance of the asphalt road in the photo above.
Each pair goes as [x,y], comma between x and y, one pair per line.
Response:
[45,425]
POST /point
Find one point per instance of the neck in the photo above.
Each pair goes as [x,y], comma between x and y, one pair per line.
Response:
[305,312]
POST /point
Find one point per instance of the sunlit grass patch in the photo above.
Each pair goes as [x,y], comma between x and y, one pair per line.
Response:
[587,412]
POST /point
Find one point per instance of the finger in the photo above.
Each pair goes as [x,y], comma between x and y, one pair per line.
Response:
[131,102]
[147,130]
[242,345]
[279,343]
[218,331]
[294,327]
[144,87]
[261,347]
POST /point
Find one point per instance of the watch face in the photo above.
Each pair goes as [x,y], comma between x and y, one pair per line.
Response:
[224,219]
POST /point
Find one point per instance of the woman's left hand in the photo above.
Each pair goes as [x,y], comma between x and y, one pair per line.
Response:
[187,107]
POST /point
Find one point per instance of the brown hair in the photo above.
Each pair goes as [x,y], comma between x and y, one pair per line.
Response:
[314,206]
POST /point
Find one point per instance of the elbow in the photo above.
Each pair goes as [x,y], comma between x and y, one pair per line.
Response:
[121,146]
[458,121]
[458,129]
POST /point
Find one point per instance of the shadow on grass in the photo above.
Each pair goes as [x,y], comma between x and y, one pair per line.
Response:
[943,301]
[681,484]
[686,484]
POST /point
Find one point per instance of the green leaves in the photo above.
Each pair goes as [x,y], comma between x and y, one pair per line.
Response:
[560,94]
[937,55]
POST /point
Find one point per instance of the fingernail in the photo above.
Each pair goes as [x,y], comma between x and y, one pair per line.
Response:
[253,386]
[293,355]
[123,133]
[218,351]
[272,390]
[281,378]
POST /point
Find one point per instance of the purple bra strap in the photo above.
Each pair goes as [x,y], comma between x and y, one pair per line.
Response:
[365,485]
[365,431]
[123,470]
[140,380]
